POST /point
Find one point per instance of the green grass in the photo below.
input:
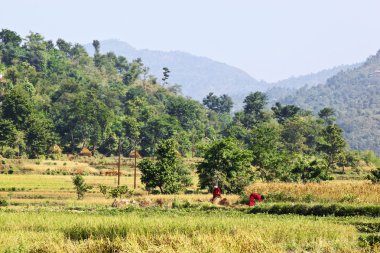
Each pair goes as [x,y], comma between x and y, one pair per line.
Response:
[42,214]
[156,230]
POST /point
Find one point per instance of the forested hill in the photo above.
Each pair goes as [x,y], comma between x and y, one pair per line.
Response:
[55,93]
[355,95]
[288,86]
[197,75]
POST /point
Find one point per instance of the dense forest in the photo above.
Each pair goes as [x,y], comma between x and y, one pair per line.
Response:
[55,93]
[355,96]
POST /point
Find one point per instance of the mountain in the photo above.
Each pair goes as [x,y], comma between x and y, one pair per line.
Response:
[355,95]
[197,75]
[289,86]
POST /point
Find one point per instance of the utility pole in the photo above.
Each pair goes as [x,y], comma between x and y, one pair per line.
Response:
[135,175]
[118,165]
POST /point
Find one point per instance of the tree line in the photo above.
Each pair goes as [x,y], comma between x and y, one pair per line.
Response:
[55,93]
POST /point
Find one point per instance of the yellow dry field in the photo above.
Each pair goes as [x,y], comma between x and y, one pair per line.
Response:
[358,191]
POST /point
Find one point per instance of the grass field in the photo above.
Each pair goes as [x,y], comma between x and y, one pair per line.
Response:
[152,230]
[43,215]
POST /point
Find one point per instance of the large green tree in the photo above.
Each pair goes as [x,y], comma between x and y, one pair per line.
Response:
[331,144]
[254,105]
[269,154]
[228,164]
[168,172]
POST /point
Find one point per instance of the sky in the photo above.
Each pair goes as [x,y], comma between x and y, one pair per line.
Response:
[269,39]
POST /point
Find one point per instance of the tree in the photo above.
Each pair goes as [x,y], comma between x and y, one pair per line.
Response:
[165,74]
[10,46]
[309,169]
[37,54]
[133,71]
[225,104]
[254,105]
[269,155]
[39,135]
[80,186]
[222,104]
[227,164]
[281,113]
[188,112]
[327,115]
[331,144]
[9,37]
[64,46]
[299,134]
[7,133]
[18,107]
[211,101]
[96,45]
[167,172]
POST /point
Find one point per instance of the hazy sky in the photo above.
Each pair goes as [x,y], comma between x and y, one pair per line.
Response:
[269,39]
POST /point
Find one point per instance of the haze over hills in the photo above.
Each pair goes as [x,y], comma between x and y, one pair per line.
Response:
[355,95]
[197,75]
[200,75]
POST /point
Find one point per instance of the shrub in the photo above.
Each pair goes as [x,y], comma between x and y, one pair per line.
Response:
[3,202]
[119,191]
[374,176]
[80,186]
[9,152]
[103,189]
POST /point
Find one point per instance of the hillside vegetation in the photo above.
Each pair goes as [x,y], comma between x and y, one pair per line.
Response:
[197,75]
[355,96]
[56,99]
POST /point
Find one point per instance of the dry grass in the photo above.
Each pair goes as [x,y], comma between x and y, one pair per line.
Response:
[360,191]
[41,166]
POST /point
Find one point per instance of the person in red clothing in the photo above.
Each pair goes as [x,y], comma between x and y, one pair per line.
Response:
[255,196]
[216,193]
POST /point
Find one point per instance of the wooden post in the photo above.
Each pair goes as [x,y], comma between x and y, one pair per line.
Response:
[134,184]
[118,166]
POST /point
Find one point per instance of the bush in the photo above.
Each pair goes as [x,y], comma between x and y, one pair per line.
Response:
[3,202]
[374,176]
[80,186]
[9,152]
[115,192]
[119,191]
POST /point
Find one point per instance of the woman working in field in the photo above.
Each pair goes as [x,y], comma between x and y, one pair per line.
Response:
[255,196]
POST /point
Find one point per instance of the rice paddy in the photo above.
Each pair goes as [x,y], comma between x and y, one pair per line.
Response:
[43,215]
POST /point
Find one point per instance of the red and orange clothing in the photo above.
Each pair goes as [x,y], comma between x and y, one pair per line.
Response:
[254,196]
[216,193]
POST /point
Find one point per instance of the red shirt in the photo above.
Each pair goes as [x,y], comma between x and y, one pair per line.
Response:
[252,198]
[216,192]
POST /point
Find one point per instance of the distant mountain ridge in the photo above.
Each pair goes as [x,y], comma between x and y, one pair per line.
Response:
[197,75]
[286,87]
